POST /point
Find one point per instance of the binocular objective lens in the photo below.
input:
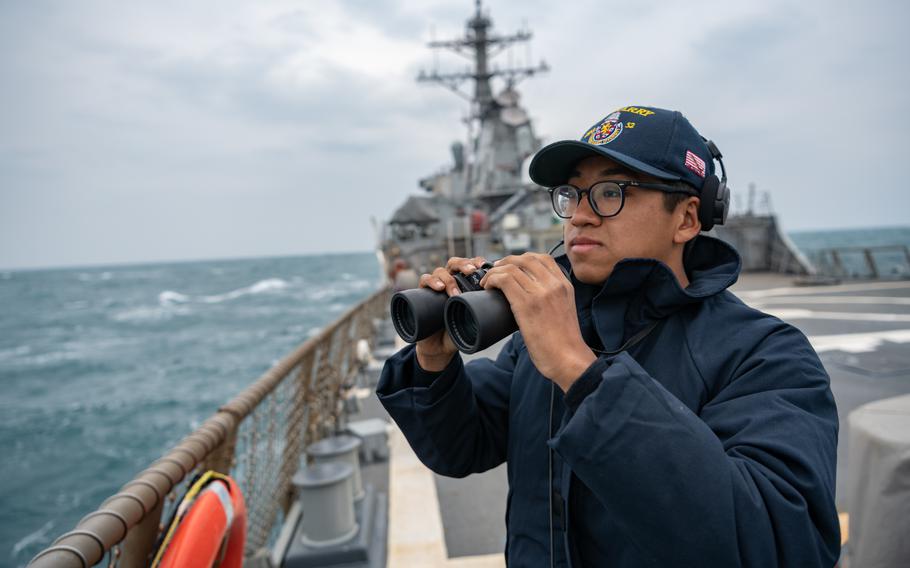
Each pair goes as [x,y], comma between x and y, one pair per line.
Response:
[404,318]
[464,326]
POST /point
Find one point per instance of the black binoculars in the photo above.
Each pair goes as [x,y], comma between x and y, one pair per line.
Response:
[474,319]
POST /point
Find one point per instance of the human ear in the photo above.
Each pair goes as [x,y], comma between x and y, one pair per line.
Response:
[689,226]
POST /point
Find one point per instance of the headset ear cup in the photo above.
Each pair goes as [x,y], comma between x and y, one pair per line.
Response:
[706,207]
[722,205]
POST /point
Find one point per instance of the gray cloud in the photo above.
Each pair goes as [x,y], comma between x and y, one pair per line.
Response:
[171,131]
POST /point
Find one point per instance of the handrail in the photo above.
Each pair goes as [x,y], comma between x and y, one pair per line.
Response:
[833,263]
[874,248]
[140,501]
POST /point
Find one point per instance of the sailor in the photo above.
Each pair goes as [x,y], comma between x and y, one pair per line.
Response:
[647,416]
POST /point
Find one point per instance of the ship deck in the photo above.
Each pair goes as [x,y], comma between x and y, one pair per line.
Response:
[861,331]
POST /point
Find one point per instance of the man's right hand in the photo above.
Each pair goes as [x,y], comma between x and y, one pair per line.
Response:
[436,351]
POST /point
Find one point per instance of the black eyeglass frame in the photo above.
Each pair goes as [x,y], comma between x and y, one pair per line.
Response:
[622,185]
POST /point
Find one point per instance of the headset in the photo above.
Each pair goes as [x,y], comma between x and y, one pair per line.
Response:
[715,195]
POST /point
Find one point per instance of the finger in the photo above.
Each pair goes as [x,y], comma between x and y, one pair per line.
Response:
[440,280]
[450,285]
[432,282]
[510,287]
[466,266]
[455,263]
[550,265]
[506,260]
[508,278]
[541,267]
[478,261]
[526,263]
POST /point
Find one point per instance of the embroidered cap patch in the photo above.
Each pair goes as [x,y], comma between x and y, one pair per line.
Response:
[695,164]
[605,131]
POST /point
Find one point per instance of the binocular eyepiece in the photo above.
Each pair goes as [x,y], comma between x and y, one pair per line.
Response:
[474,319]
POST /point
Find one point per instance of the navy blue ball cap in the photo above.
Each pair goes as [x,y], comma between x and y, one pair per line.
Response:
[653,141]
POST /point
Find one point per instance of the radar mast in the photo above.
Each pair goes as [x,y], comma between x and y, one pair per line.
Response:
[504,136]
[480,45]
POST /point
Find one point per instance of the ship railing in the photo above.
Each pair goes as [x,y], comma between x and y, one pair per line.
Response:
[875,262]
[258,438]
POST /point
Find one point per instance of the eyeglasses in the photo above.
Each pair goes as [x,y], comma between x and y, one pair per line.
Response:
[606,198]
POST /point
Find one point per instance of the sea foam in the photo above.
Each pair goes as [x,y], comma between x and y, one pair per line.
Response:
[10,354]
[170,297]
[33,537]
[151,313]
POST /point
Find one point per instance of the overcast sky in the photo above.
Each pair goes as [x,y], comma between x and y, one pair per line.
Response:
[168,130]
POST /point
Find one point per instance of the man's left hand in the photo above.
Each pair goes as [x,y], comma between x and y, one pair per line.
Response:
[543,303]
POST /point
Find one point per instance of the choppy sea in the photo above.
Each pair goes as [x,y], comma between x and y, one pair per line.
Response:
[103,369]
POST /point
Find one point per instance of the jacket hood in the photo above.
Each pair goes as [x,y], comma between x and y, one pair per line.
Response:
[640,290]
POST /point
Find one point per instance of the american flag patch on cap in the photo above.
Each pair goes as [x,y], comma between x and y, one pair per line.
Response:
[695,163]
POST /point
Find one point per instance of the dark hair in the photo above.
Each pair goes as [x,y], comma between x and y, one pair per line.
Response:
[672,200]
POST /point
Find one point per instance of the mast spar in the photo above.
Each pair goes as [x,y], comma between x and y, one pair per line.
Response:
[479,45]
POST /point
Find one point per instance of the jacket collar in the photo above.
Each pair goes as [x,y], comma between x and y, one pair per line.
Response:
[640,290]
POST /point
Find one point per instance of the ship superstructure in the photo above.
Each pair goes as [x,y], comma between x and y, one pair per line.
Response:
[480,204]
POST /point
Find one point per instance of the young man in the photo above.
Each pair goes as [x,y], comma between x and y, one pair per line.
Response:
[647,416]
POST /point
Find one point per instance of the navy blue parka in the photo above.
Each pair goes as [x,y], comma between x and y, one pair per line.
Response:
[712,442]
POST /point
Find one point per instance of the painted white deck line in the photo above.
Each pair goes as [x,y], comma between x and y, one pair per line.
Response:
[788,314]
[416,535]
[858,342]
[747,295]
[867,300]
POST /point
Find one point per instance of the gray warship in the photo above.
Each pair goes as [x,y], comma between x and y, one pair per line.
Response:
[272,433]
[482,203]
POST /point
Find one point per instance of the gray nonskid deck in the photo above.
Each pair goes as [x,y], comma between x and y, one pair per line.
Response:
[473,509]
[859,373]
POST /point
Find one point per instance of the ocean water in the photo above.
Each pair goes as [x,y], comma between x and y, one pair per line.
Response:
[104,369]
[889,263]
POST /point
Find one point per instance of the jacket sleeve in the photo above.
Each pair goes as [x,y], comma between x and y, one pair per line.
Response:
[748,481]
[457,420]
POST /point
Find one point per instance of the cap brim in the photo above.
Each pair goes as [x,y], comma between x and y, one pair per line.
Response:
[553,164]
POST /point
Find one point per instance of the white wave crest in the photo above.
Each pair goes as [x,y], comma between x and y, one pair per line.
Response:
[261,287]
[170,297]
[320,294]
[151,313]
[8,354]
[95,276]
[268,285]
[75,305]
[39,535]
[341,289]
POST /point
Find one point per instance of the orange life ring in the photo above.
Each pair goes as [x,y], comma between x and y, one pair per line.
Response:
[208,528]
